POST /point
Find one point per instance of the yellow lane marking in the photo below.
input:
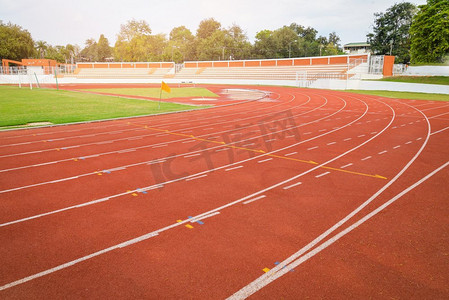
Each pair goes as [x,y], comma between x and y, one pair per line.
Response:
[259,151]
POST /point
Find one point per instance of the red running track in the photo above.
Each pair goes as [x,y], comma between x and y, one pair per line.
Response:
[302,193]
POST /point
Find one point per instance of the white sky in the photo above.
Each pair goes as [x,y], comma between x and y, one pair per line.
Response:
[74,21]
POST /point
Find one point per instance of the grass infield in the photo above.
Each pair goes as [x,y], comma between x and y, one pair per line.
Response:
[443,80]
[23,106]
[404,95]
[155,92]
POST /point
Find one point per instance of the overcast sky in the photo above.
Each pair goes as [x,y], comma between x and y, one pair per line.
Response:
[74,21]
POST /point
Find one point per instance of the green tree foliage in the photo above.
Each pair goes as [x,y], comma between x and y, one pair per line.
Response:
[15,43]
[89,53]
[294,41]
[103,50]
[133,41]
[181,46]
[265,45]
[430,32]
[390,34]
[207,27]
[41,48]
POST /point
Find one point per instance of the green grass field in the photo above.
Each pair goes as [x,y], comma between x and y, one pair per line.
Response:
[444,80]
[155,92]
[404,95]
[23,106]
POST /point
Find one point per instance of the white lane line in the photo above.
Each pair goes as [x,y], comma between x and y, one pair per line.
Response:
[192,155]
[230,169]
[439,131]
[116,169]
[305,133]
[230,204]
[366,158]
[246,145]
[348,139]
[127,150]
[223,149]
[312,148]
[409,142]
[292,185]
[322,174]
[64,179]
[374,132]
[193,220]
[254,199]
[300,257]
[418,139]
[439,115]
[321,130]
[271,140]
[396,147]
[74,262]
[197,177]
[382,152]
[102,143]
[262,161]
[292,153]
[345,166]
[159,146]
[331,143]
[362,135]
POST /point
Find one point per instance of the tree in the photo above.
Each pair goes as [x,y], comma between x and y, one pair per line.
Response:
[41,48]
[181,45]
[391,31]
[265,45]
[89,53]
[430,32]
[133,42]
[238,46]
[286,41]
[15,43]
[103,50]
[207,27]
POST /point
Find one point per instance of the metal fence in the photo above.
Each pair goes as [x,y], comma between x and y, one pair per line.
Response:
[22,70]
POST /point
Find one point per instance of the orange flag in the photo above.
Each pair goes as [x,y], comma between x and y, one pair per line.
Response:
[165,87]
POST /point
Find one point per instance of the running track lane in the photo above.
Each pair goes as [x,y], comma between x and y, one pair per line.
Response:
[231,248]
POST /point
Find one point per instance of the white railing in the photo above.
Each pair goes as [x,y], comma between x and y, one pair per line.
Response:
[306,79]
[63,69]
[399,69]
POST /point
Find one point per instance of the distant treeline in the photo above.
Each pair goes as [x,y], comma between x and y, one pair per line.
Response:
[412,34]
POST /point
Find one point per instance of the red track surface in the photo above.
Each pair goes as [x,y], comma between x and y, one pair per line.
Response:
[298,185]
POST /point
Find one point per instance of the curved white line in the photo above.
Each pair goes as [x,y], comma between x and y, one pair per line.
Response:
[271,275]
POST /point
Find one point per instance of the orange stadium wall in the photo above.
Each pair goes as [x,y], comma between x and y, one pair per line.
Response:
[306,61]
[388,65]
[125,65]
